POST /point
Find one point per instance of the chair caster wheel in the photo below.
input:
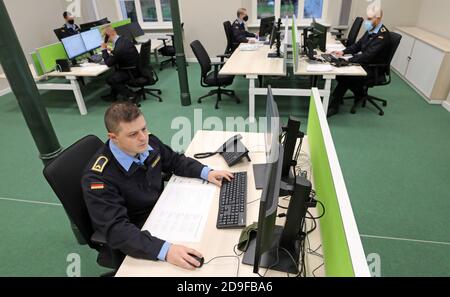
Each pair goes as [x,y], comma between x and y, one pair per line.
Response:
[160,100]
[352,111]
[384,104]
[159,92]
[381,113]
[199,101]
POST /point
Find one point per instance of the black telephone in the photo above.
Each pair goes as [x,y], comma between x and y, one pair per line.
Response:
[233,150]
[106,38]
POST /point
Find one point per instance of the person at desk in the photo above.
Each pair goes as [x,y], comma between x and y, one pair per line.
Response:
[240,34]
[372,48]
[123,182]
[125,57]
[70,28]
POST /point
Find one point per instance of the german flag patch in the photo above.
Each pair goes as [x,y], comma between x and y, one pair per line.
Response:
[97,186]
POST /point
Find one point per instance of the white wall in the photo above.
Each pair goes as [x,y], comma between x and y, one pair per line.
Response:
[396,12]
[435,17]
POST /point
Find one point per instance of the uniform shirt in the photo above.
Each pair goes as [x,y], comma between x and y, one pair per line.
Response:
[71,29]
[120,191]
[372,48]
[124,54]
[240,34]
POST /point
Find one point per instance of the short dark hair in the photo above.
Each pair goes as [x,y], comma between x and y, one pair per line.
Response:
[65,14]
[120,112]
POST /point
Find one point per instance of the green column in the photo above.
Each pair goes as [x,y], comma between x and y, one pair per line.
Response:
[24,88]
[181,58]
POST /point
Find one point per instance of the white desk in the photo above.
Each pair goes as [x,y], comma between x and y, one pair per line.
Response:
[73,85]
[93,70]
[254,63]
[217,242]
[251,64]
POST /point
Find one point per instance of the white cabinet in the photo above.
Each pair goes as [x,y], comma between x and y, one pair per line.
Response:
[423,60]
[403,54]
[424,67]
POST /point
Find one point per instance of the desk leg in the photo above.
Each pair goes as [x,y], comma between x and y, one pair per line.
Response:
[251,100]
[78,95]
[326,97]
[156,56]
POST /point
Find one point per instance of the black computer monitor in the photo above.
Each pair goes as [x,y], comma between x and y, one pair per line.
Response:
[136,29]
[273,35]
[90,25]
[92,39]
[125,31]
[318,36]
[74,46]
[266,25]
[278,247]
[271,138]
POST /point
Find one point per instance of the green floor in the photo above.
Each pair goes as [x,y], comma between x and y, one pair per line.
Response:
[397,170]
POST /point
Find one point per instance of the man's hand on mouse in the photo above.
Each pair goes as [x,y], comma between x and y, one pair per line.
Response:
[216,176]
[179,255]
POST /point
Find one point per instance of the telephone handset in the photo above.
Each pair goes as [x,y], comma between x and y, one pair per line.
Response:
[106,38]
[233,150]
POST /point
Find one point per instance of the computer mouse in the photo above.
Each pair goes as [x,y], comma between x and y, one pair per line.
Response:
[201,260]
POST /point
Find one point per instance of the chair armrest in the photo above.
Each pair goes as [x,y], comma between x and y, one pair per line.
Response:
[98,238]
[222,57]
[216,68]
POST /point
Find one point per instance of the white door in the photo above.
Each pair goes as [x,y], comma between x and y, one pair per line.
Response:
[401,57]
[424,67]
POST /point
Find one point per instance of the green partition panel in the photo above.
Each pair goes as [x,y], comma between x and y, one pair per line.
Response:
[294,44]
[335,247]
[37,64]
[49,54]
[121,23]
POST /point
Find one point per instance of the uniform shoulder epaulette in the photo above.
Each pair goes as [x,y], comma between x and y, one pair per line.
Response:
[100,164]
[383,30]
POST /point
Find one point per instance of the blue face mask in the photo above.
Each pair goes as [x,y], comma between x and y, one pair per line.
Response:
[368,25]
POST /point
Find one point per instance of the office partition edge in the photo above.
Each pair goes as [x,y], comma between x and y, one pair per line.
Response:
[343,251]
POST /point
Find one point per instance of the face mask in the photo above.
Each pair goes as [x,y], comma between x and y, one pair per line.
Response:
[368,25]
[245,18]
[71,22]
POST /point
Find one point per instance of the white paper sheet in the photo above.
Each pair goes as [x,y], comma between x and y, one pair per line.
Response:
[319,68]
[335,47]
[182,210]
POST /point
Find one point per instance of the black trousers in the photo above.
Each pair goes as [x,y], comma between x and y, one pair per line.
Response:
[117,81]
[345,83]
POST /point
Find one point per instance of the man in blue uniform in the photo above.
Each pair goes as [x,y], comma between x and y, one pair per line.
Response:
[240,33]
[126,58]
[372,48]
[123,182]
[70,28]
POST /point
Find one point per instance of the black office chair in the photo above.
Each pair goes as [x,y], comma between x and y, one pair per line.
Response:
[64,176]
[61,33]
[212,78]
[231,44]
[382,77]
[168,50]
[147,77]
[353,33]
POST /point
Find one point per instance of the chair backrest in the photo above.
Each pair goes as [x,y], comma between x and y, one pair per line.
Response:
[354,31]
[202,57]
[229,36]
[61,33]
[144,66]
[395,40]
[64,176]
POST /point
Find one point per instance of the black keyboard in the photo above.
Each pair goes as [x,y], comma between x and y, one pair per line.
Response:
[96,58]
[233,202]
[329,58]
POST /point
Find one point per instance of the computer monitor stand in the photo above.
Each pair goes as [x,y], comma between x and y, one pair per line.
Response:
[259,172]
